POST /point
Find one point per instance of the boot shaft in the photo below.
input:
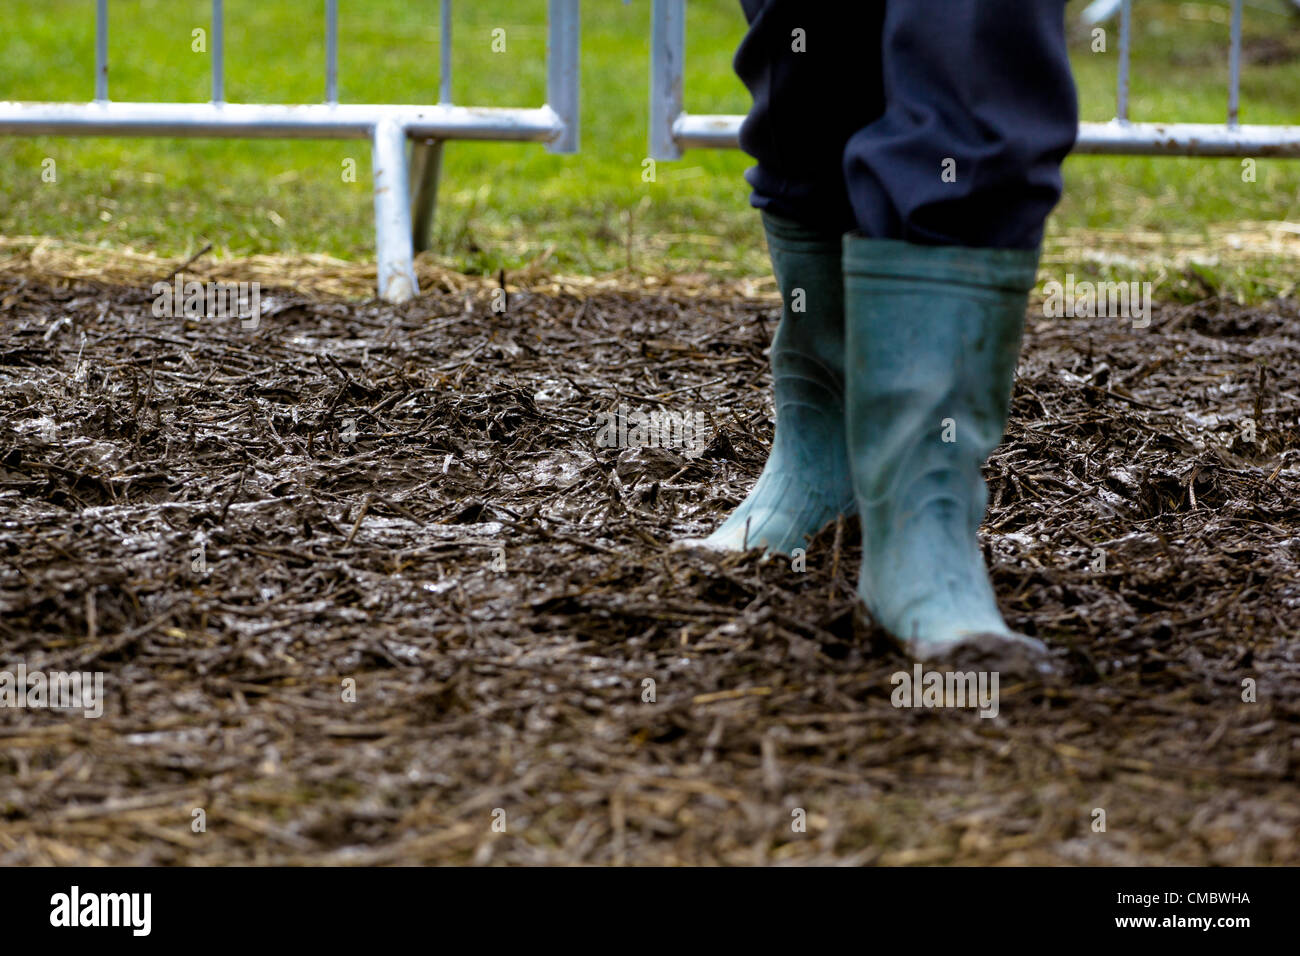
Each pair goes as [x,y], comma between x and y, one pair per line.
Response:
[809,274]
[932,338]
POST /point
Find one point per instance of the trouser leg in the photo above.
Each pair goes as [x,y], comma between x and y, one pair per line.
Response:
[814,72]
[980,110]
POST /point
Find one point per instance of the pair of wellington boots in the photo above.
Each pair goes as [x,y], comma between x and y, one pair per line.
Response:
[892,368]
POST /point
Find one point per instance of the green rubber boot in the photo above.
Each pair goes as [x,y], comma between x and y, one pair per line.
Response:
[932,338]
[805,483]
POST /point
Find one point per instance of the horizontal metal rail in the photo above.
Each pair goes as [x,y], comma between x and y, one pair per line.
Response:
[388,127]
[692,131]
[673,130]
[270,121]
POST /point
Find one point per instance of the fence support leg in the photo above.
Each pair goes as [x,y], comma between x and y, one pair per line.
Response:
[393,249]
[426,169]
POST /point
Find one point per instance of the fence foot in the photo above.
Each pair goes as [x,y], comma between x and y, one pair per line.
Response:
[426,169]
[394,254]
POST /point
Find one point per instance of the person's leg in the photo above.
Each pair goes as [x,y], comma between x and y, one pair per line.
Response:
[810,72]
[980,112]
[950,187]
[814,73]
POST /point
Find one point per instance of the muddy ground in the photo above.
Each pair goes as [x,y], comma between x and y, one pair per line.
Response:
[363,584]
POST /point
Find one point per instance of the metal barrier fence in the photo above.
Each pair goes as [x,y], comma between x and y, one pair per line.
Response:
[672,129]
[402,213]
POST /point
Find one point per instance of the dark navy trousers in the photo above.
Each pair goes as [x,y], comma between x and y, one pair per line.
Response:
[941,122]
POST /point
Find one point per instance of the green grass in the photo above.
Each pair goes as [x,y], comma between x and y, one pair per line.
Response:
[503,205]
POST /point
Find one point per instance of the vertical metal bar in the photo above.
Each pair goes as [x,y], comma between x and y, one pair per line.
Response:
[563,71]
[1125,42]
[218,52]
[331,52]
[667,53]
[101,51]
[444,52]
[394,254]
[1234,66]
[426,169]
[426,154]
